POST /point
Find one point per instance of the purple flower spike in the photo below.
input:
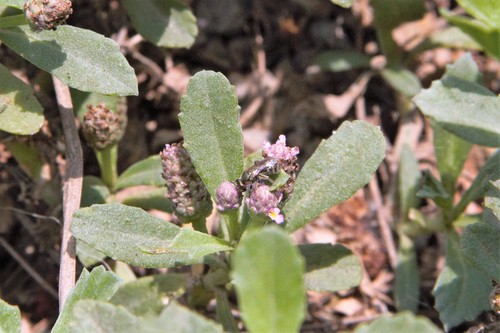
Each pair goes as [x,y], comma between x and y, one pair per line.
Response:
[228,196]
[279,150]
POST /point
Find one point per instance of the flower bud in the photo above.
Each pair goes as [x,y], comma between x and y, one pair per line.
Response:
[263,202]
[228,196]
[185,188]
[101,127]
[47,14]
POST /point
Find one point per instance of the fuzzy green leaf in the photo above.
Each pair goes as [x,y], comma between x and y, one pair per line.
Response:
[481,246]
[20,111]
[407,284]
[490,172]
[145,172]
[339,61]
[463,107]
[88,255]
[211,127]
[330,267]
[486,36]
[402,80]
[139,239]
[339,167]
[401,322]
[166,23]
[145,296]
[149,198]
[94,316]
[451,153]
[10,318]
[408,181]
[268,275]
[80,58]
[486,11]
[461,291]
[13,3]
[94,191]
[96,285]
[179,319]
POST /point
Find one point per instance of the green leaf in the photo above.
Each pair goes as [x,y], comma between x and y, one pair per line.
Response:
[402,80]
[389,14]
[330,267]
[268,276]
[408,181]
[20,112]
[94,191]
[28,156]
[343,3]
[10,318]
[96,285]
[88,255]
[481,246]
[149,198]
[338,168]
[461,291]
[133,236]
[451,153]
[145,296]
[407,284]
[166,23]
[145,172]
[179,319]
[484,10]
[462,107]
[13,3]
[94,316]
[486,36]
[434,189]
[80,58]
[339,61]
[211,127]
[492,199]
[488,173]
[453,37]
[401,322]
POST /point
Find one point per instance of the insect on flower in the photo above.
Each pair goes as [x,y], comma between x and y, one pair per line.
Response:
[259,172]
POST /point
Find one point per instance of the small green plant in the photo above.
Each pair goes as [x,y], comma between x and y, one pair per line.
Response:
[247,256]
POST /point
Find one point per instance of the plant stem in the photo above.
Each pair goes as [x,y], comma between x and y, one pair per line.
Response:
[224,315]
[231,225]
[72,189]
[12,21]
[107,160]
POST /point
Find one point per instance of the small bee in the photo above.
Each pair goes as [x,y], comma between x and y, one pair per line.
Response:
[259,172]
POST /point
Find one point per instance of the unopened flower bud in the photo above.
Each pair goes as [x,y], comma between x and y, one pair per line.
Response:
[263,202]
[47,14]
[185,188]
[101,127]
[228,196]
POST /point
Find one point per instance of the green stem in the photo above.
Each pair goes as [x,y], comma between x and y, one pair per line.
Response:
[230,225]
[12,21]
[223,310]
[107,159]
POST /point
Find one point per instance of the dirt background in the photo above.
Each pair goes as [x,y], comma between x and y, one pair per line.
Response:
[266,49]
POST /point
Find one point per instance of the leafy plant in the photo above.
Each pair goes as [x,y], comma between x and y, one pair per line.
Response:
[463,287]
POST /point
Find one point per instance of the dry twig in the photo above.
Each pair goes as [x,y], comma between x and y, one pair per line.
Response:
[72,189]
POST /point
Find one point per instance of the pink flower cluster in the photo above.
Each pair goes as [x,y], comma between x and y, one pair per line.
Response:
[279,150]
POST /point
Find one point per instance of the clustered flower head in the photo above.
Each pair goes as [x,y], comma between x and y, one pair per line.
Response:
[47,14]
[185,188]
[102,127]
[263,202]
[228,197]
